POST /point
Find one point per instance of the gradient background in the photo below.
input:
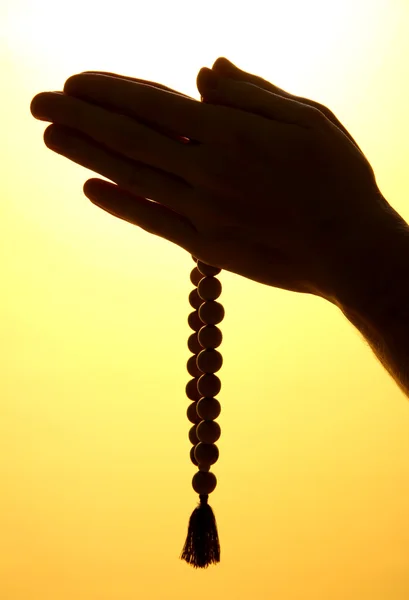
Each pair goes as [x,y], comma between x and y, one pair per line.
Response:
[313,476]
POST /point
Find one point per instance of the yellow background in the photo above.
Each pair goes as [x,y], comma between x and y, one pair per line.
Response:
[313,475]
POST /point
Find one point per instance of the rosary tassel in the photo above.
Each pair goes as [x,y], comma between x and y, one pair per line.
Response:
[202,543]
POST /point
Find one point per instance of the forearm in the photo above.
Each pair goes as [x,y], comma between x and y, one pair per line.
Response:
[389,341]
[379,308]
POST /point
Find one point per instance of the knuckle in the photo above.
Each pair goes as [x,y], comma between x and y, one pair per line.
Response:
[324,113]
[318,113]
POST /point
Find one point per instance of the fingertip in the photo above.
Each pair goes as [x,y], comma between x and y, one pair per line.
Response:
[36,105]
[201,71]
[92,186]
[207,80]
[33,106]
[200,78]
[222,64]
[70,84]
[77,84]
[48,135]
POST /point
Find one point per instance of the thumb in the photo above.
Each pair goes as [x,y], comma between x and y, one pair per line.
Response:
[218,90]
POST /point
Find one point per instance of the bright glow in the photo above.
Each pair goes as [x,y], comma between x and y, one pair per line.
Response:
[96,494]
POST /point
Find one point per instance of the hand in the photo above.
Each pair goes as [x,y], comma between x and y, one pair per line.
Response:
[274,198]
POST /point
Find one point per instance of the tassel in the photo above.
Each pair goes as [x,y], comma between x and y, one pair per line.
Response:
[202,543]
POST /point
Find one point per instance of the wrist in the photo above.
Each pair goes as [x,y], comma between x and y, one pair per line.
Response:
[377,273]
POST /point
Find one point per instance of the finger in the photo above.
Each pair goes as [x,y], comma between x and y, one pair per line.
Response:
[135,178]
[253,99]
[182,116]
[120,134]
[152,83]
[156,127]
[150,216]
[216,250]
[226,68]
[146,82]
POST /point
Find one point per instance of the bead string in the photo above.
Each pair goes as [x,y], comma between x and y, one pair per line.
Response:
[205,361]
[204,408]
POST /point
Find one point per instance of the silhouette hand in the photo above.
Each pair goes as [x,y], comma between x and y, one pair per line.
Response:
[277,198]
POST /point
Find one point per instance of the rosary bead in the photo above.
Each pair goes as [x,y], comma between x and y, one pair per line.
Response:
[195,276]
[208,432]
[209,288]
[192,456]
[204,483]
[193,435]
[209,360]
[192,413]
[208,385]
[211,312]
[194,299]
[208,409]
[193,344]
[206,454]
[192,391]
[207,269]
[202,365]
[194,321]
[192,367]
[209,336]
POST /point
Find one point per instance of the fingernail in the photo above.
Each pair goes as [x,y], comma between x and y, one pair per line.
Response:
[210,79]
